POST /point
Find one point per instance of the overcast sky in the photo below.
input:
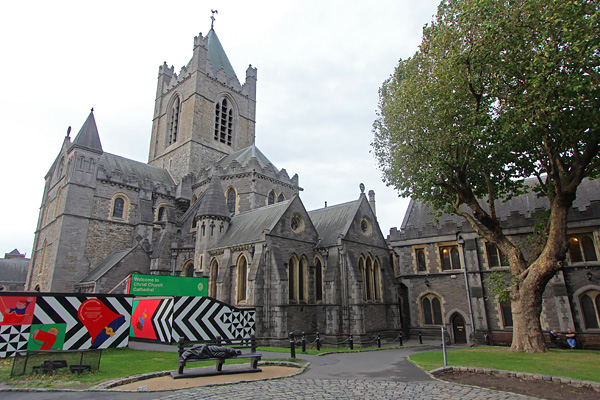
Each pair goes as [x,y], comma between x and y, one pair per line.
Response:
[320,65]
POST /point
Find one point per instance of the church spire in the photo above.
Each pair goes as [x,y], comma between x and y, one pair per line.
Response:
[88,136]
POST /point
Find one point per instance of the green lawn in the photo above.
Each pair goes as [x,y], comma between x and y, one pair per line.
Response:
[115,363]
[576,364]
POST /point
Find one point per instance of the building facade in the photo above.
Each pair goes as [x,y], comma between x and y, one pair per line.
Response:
[445,269]
[209,203]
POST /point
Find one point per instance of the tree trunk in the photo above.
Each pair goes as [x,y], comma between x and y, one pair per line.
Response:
[526,306]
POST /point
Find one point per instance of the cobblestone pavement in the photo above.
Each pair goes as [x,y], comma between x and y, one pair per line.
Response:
[325,389]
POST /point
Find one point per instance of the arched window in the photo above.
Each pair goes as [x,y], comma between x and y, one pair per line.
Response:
[194,198]
[582,249]
[369,278]
[223,122]
[271,198]
[231,197]
[298,279]
[118,207]
[242,278]
[188,269]
[212,282]
[495,257]
[421,261]
[506,311]
[174,116]
[318,280]
[432,310]
[377,280]
[450,258]
[160,215]
[280,198]
[590,307]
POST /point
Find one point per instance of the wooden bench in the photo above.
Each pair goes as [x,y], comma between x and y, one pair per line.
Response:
[242,344]
[588,340]
[495,337]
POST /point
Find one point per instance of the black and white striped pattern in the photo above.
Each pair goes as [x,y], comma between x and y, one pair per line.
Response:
[204,318]
[162,320]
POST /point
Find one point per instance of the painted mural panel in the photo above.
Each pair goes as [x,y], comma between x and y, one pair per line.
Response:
[63,322]
[152,319]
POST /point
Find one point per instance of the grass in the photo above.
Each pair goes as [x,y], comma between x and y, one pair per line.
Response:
[114,364]
[576,364]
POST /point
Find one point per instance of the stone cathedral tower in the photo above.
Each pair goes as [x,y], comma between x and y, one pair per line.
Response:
[203,113]
[208,203]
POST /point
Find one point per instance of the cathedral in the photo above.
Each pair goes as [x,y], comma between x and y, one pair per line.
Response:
[208,203]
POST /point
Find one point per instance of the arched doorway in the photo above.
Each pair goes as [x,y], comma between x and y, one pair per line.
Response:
[459,329]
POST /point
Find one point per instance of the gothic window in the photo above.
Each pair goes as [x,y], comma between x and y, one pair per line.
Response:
[174,120]
[194,198]
[203,229]
[371,276]
[118,207]
[590,306]
[223,122]
[271,198]
[421,260]
[280,198]
[242,279]
[231,197]
[212,283]
[432,310]
[506,311]
[450,258]
[297,279]
[188,269]
[160,215]
[318,280]
[377,280]
[495,257]
[297,223]
[582,249]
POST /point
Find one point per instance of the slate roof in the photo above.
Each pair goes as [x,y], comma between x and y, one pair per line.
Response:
[88,136]
[418,214]
[244,156]
[213,200]
[216,55]
[13,269]
[105,266]
[332,221]
[132,168]
[248,227]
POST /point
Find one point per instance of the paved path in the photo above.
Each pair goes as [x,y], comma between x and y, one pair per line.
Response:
[377,375]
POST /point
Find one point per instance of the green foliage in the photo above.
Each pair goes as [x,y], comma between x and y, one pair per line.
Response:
[498,91]
[499,284]
[576,364]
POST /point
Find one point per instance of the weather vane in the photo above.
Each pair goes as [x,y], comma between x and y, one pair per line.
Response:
[212,17]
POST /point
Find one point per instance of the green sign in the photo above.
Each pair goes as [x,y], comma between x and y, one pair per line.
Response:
[159,285]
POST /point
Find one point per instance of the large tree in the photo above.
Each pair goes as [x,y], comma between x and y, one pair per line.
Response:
[499,91]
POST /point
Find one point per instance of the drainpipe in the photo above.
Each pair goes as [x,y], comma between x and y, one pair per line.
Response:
[461,243]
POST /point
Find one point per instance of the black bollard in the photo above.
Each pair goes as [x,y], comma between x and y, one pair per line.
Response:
[420,338]
[292,346]
[378,341]
[318,340]
[351,343]
[303,343]
[400,337]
